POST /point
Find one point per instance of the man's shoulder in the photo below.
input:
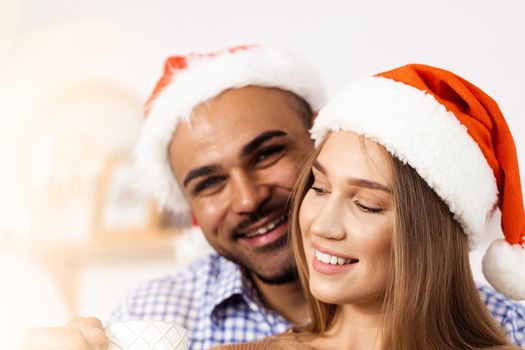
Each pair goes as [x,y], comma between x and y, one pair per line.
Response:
[509,314]
[197,274]
[166,297]
[499,303]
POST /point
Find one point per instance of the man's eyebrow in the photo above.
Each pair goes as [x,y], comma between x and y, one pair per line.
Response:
[200,171]
[354,181]
[259,140]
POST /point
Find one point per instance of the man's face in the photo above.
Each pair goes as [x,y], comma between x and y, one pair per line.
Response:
[237,163]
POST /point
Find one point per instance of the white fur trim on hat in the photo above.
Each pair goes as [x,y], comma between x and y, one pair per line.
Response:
[203,80]
[414,127]
[503,267]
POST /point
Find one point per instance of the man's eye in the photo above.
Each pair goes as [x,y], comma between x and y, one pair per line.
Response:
[267,153]
[206,184]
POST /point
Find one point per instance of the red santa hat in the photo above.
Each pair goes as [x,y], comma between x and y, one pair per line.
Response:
[195,78]
[455,136]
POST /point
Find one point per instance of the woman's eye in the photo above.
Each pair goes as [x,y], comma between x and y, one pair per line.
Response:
[318,190]
[267,153]
[208,183]
[367,209]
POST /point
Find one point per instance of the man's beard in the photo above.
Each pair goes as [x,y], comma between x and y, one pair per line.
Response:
[288,272]
[288,275]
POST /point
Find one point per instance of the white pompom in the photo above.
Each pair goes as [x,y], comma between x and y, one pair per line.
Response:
[504,267]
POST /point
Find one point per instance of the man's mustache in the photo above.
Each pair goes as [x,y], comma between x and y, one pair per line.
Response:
[264,210]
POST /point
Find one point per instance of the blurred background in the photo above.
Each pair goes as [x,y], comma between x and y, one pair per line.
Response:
[75,233]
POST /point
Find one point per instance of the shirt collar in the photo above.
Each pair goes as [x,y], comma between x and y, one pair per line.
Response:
[230,284]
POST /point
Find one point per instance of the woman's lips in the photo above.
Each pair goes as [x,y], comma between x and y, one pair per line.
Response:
[327,261]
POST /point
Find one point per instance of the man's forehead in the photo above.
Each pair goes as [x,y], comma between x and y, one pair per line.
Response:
[212,145]
[249,110]
[207,130]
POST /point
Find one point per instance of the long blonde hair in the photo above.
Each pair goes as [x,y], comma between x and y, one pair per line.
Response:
[431,301]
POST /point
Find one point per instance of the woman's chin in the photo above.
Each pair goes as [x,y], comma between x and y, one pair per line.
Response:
[329,294]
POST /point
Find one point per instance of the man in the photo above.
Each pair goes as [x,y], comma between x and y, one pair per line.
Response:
[225,135]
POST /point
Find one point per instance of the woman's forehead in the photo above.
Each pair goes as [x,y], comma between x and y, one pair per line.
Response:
[347,154]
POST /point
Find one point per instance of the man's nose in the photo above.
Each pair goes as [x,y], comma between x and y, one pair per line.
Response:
[328,222]
[247,192]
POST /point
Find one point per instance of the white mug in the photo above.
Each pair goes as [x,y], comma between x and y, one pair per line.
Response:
[146,335]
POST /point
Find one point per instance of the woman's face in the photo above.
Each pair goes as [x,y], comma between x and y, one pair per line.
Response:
[346,220]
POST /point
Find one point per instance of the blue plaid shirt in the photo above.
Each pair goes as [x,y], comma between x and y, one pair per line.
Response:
[217,304]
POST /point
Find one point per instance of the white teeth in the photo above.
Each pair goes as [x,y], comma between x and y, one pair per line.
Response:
[331,259]
[262,230]
[270,226]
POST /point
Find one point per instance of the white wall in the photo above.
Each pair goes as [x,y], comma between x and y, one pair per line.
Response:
[483,41]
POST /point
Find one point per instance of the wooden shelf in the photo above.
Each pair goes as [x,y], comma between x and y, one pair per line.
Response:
[64,261]
[146,243]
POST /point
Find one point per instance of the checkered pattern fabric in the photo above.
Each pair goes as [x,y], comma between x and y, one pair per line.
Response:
[217,304]
[509,314]
[212,299]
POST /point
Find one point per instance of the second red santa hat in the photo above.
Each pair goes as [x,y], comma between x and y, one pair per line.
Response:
[455,136]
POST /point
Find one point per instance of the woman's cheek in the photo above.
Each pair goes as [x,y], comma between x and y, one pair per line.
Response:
[306,213]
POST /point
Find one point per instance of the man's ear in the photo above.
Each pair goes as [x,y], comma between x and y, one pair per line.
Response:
[194,221]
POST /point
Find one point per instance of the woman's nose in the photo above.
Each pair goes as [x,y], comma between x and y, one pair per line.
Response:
[328,222]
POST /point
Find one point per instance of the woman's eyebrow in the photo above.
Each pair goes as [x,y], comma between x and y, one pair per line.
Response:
[318,166]
[354,181]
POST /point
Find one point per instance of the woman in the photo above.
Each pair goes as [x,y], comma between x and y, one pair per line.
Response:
[409,165]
